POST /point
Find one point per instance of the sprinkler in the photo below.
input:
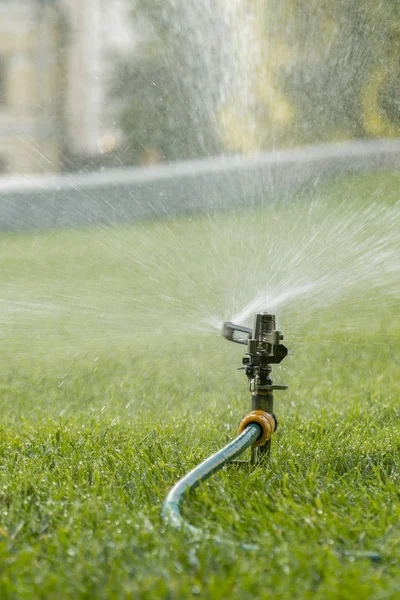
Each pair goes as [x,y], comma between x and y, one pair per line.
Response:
[264,348]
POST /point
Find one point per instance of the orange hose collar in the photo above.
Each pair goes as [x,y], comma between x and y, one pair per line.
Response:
[266,422]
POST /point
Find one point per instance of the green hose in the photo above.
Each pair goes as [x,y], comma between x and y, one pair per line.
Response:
[171,508]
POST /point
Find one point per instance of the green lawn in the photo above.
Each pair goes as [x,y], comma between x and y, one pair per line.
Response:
[114,384]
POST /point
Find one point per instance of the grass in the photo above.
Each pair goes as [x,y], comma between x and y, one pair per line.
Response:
[100,416]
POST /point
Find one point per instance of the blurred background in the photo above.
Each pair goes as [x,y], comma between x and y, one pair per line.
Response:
[93,84]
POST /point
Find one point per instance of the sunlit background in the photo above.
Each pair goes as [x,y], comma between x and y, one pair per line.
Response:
[92,84]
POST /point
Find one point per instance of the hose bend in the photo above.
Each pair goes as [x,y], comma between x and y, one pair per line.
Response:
[171,508]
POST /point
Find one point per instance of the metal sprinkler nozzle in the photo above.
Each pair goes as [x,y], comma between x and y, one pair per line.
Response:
[264,348]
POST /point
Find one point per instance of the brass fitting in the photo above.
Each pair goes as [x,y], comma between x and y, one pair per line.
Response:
[265,420]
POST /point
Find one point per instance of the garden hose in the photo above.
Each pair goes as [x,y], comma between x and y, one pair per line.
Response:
[250,432]
[171,507]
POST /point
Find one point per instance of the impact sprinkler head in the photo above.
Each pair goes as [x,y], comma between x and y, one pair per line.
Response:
[263,338]
[264,348]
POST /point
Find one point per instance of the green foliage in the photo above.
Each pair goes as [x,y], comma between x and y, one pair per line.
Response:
[345,67]
[320,71]
[304,72]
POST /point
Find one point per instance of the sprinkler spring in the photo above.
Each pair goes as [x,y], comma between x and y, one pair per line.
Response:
[264,348]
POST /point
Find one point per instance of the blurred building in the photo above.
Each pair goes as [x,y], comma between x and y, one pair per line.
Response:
[97,30]
[55,63]
[31,75]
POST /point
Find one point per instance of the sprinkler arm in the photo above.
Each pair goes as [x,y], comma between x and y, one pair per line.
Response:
[233,332]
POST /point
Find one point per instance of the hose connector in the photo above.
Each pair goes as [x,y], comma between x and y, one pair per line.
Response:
[266,421]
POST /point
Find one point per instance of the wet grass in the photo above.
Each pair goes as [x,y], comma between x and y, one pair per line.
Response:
[93,435]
